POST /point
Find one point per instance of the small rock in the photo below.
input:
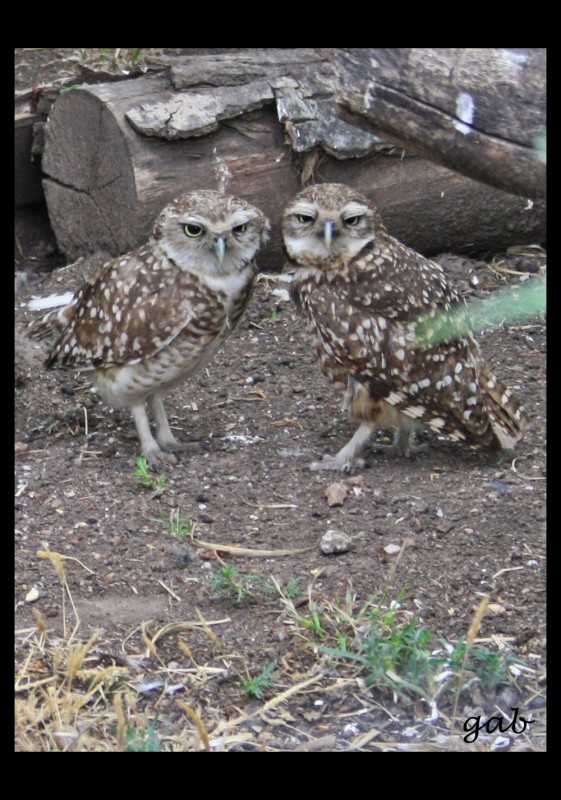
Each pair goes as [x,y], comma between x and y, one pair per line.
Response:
[444,527]
[379,497]
[336,494]
[499,487]
[333,542]
[32,595]
[500,743]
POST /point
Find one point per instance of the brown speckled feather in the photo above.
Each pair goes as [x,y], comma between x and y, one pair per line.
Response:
[151,317]
[363,295]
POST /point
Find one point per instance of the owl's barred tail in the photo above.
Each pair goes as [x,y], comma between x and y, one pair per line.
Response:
[52,324]
[508,417]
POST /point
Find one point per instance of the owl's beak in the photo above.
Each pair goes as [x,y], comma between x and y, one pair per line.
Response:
[220,247]
[328,233]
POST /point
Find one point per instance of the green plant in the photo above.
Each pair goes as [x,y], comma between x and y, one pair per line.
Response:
[391,649]
[490,666]
[230,581]
[65,89]
[291,588]
[392,652]
[254,686]
[312,624]
[147,480]
[177,525]
[143,739]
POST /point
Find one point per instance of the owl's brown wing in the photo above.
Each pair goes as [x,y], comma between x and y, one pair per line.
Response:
[437,384]
[129,311]
[393,280]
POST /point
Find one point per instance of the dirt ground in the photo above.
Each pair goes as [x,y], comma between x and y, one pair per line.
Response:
[463,525]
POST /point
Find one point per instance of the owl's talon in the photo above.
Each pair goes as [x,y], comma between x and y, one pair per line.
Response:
[157,460]
[334,464]
[411,451]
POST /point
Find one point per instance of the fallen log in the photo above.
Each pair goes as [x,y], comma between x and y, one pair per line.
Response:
[116,153]
[481,111]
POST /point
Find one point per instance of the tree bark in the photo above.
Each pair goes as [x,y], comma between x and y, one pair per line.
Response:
[481,111]
[116,153]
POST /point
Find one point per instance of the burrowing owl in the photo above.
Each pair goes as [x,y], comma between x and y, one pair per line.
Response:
[154,316]
[366,298]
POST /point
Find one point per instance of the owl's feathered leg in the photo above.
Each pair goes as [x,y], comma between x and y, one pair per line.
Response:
[346,458]
[148,445]
[164,436]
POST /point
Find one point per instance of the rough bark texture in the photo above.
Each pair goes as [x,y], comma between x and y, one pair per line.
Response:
[481,111]
[116,153]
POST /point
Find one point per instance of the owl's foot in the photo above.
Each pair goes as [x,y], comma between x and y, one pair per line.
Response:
[159,451]
[402,445]
[157,458]
[336,464]
[395,449]
[346,459]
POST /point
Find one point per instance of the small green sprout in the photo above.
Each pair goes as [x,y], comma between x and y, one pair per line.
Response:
[147,480]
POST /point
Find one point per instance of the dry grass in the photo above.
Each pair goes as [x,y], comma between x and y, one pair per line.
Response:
[74,695]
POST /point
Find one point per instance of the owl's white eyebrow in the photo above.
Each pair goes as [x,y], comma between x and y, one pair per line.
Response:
[240,217]
[304,208]
[354,210]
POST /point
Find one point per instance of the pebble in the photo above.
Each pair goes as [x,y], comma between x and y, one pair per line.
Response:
[334,541]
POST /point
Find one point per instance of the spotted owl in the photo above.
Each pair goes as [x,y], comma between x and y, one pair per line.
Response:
[377,311]
[152,317]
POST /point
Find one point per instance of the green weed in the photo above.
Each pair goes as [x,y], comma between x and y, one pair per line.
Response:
[392,650]
[229,581]
[143,739]
[254,686]
[177,525]
[145,478]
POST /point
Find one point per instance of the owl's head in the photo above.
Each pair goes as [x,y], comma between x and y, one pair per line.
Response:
[210,233]
[328,221]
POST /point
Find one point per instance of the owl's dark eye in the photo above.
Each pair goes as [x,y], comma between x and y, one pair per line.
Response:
[305,219]
[352,222]
[240,228]
[193,230]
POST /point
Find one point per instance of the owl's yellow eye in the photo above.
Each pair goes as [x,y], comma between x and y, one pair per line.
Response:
[352,222]
[240,228]
[193,230]
[305,219]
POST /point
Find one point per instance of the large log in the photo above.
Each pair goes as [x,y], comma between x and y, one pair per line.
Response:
[481,111]
[106,178]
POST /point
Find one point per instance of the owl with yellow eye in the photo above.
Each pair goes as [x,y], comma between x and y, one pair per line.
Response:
[150,318]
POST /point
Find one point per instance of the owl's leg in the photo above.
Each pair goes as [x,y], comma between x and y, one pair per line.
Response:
[148,445]
[164,436]
[403,443]
[346,458]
